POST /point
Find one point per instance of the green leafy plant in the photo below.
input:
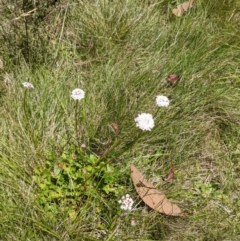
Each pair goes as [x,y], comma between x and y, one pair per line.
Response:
[209,190]
[73,177]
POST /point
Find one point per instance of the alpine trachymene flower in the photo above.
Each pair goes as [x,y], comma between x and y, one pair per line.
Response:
[126,202]
[28,85]
[162,101]
[78,94]
[145,122]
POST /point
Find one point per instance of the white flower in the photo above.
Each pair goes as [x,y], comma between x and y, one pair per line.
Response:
[162,101]
[78,94]
[126,202]
[145,122]
[28,85]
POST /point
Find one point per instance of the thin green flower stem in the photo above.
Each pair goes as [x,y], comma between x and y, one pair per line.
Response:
[27,118]
[156,113]
[127,147]
[76,120]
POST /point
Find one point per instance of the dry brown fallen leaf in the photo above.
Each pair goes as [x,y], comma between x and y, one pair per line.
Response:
[151,196]
[170,175]
[173,79]
[181,8]
[114,125]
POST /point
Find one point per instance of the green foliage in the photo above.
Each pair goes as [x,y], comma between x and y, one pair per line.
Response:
[74,177]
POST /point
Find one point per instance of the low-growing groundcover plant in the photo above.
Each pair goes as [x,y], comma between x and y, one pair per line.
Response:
[65,162]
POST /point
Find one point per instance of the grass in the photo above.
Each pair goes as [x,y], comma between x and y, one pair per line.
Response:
[120,54]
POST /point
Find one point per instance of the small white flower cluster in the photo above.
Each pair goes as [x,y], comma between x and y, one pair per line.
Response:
[28,85]
[145,121]
[78,94]
[162,101]
[126,202]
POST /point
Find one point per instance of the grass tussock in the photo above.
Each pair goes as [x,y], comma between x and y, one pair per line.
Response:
[120,54]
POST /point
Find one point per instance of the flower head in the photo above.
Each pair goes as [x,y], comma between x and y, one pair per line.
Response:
[28,85]
[162,101]
[126,202]
[78,94]
[145,122]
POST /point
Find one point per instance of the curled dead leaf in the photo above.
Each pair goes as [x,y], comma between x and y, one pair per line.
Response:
[181,8]
[115,127]
[170,175]
[83,145]
[60,165]
[173,79]
[151,196]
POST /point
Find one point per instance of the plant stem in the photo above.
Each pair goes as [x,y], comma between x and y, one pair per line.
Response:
[76,121]
[124,149]
[26,44]
[27,118]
